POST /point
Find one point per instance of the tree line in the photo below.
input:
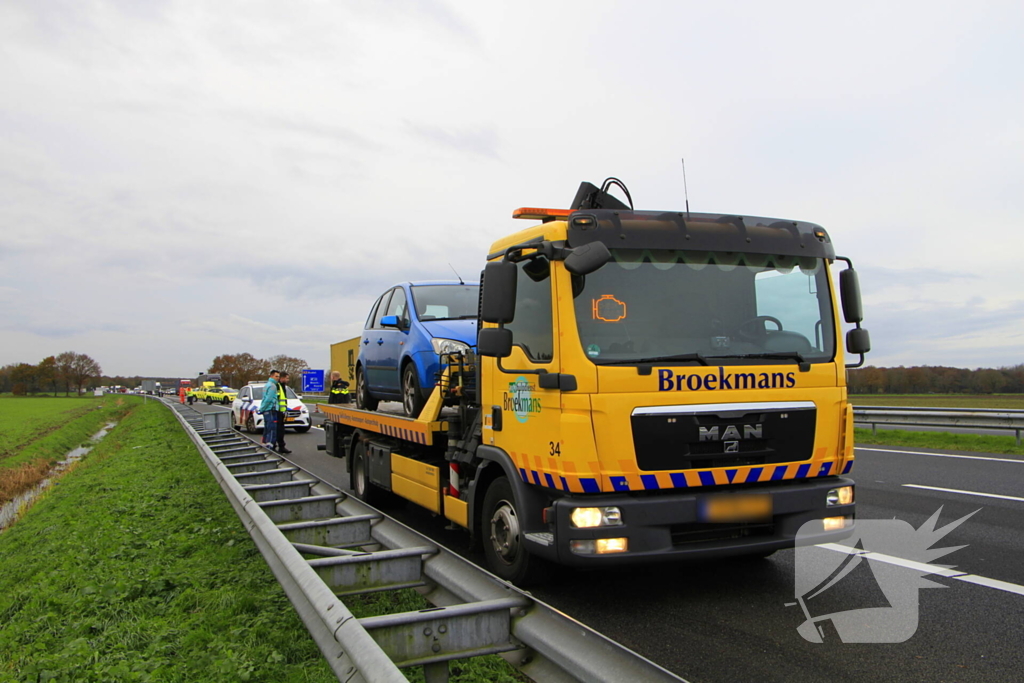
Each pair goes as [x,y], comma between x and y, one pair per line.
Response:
[53,373]
[238,369]
[927,379]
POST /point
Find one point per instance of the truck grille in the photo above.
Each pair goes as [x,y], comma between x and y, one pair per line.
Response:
[729,435]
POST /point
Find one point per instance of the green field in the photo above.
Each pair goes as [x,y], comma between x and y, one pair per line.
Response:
[966,401]
[24,420]
[134,567]
[44,430]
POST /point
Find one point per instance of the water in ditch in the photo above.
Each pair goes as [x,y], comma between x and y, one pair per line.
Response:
[10,512]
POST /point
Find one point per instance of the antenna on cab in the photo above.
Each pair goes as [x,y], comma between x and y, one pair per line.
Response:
[456,273]
[686,193]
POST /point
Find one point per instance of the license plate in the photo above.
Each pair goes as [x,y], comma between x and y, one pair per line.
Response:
[289,419]
[737,508]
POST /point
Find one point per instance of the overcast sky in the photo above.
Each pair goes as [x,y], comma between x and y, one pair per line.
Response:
[180,180]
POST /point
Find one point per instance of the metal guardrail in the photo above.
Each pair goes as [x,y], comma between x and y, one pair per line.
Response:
[1010,420]
[356,549]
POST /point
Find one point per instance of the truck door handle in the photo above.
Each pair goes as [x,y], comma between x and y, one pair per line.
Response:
[380,341]
[366,341]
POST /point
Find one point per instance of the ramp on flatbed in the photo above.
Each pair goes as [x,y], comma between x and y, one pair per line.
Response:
[417,430]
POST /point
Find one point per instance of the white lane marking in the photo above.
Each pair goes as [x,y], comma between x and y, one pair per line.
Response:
[935,569]
[993,583]
[966,493]
[941,455]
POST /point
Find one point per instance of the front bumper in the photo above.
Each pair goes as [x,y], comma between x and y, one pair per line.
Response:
[670,526]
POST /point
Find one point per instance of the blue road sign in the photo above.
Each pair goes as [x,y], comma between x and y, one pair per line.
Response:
[312,381]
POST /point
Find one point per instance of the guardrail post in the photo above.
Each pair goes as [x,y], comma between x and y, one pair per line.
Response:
[874,429]
[1018,436]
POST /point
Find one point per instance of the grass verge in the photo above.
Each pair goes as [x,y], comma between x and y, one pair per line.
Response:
[134,567]
[944,441]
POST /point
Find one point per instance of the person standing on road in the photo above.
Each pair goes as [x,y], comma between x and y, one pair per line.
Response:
[339,389]
[268,407]
[282,412]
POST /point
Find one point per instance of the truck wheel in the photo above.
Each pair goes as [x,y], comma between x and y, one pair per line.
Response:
[412,398]
[250,425]
[209,401]
[363,399]
[361,486]
[503,538]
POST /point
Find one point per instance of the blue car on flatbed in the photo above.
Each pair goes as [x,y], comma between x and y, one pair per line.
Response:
[408,328]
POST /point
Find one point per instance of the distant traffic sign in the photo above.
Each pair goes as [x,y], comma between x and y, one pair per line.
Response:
[312,381]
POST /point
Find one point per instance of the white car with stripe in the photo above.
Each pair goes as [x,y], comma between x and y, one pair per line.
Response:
[245,410]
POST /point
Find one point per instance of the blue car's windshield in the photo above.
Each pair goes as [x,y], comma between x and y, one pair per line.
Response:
[446,302]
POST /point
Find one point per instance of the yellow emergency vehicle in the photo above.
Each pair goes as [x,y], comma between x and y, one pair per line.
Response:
[647,386]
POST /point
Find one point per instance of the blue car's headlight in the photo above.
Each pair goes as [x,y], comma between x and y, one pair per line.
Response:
[448,346]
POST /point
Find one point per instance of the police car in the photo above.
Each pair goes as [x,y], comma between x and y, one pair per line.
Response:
[245,410]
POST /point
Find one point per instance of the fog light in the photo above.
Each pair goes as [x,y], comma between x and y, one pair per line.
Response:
[588,518]
[840,496]
[611,545]
[582,547]
[599,546]
[834,523]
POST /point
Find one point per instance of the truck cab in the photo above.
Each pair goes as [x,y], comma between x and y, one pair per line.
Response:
[662,384]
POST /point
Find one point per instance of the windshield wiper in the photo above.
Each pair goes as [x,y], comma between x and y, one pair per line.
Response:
[658,359]
[791,355]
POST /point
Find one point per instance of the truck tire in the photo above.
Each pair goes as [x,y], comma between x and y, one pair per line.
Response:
[250,425]
[502,538]
[412,397]
[360,479]
[363,399]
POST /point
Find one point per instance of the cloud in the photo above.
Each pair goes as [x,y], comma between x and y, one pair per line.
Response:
[478,142]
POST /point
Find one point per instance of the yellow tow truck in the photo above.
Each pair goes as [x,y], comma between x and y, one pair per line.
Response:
[646,386]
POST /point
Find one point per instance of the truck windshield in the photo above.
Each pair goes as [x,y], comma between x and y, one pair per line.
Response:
[446,302]
[696,306]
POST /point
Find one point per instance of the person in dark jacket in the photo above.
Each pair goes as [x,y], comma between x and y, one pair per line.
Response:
[339,389]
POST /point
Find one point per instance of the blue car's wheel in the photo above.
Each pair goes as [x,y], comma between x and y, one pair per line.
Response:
[412,397]
[363,399]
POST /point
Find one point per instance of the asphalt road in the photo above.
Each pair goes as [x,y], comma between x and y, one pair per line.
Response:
[737,621]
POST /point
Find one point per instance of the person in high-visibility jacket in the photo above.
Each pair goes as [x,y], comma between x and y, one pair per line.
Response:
[339,389]
[282,412]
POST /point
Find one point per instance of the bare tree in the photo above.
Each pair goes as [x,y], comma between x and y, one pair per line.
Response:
[293,366]
[23,377]
[239,369]
[83,368]
[65,362]
[47,372]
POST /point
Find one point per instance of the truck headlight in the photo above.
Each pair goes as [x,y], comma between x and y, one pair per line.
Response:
[587,518]
[840,496]
[442,346]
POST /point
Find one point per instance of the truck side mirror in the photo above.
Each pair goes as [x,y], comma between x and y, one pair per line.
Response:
[389,321]
[587,258]
[494,342]
[498,304]
[858,341]
[849,290]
